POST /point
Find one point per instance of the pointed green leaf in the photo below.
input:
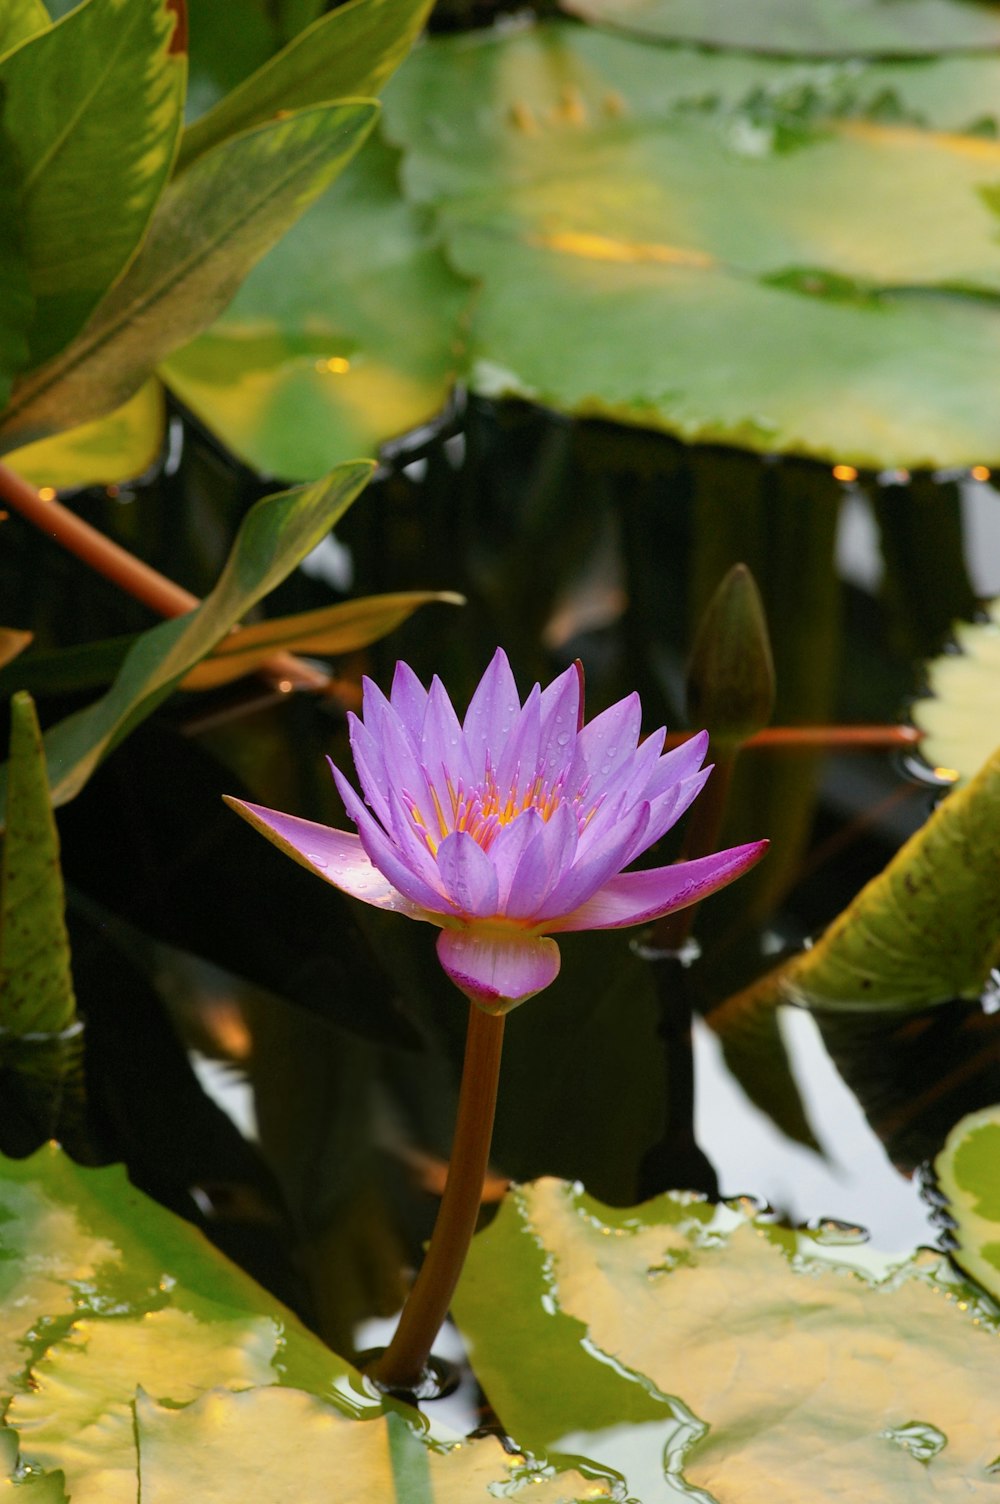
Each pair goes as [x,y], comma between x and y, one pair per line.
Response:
[275,536]
[102,453]
[707,1357]
[324,353]
[209,228]
[36,985]
[961,720]
[347,54]
[968,1173]
[328,632]
[19,20]
[810,28]
[93,107]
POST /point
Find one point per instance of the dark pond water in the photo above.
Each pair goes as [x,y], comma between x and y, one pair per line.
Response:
[281,1066]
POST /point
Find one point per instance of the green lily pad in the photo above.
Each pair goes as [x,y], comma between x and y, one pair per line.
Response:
[36,984]
[135,1357]
[968,1172]
[696,1353]
[328,351]
[960,719]
[811,28]
[683,268]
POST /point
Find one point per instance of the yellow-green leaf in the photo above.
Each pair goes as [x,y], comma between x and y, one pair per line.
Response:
[102,453]
[925,929]
[968,1172]
[961,718]
[327,632]
[210,226]
[36,984]
[705,1356]
[349,53]
[19,20]
[93,107]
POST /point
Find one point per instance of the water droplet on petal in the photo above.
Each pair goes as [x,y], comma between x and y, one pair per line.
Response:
[562,738]
[317,861]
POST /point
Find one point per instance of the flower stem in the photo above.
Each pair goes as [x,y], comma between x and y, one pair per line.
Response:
[402,1365]
[130,574]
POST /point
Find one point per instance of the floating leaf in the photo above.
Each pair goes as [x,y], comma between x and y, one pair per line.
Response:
[19,20]
[811,28]
[349,53]
[621,245]
[36,985]
[329,631]
[960,720]
[115,70]
[103,453]
[209,228]
[968,1173]
[275,536]
[704,1356]
[123,1334]
[325,352]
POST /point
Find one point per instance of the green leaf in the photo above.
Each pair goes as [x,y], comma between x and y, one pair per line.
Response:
[959,720]
[924,930]
[93,107]
[702,1355]
[102,453]
[19,20]
[17,305]
[324,352]
[968,1173]
[812,28]
[123,1334]
[349,53]
[330,631]
[275,536]
[210,227]
[623,243]
[36,985]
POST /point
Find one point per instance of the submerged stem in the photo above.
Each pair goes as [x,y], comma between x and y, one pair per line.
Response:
[402,1365]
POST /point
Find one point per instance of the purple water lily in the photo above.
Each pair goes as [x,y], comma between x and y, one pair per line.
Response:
[508,827]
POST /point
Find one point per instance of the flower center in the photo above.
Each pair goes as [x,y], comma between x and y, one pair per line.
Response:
[484,810]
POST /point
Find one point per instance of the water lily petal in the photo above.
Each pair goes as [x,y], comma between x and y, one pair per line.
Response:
[607,741]
[592,871]
[408,697]
[517,763]
[384,853]
[560,717]
[677,764]
[469,876]
[497,969]
[637,897]
[443,750]
[492,712]
[507,849]
[667,809]
[546,857]
[337,856]
[370,766]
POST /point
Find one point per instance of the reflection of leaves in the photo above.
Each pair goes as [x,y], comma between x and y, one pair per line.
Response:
[275,536]
[692,1350]
[960,724]
[915,1076]
[36,986]
[968,1174]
